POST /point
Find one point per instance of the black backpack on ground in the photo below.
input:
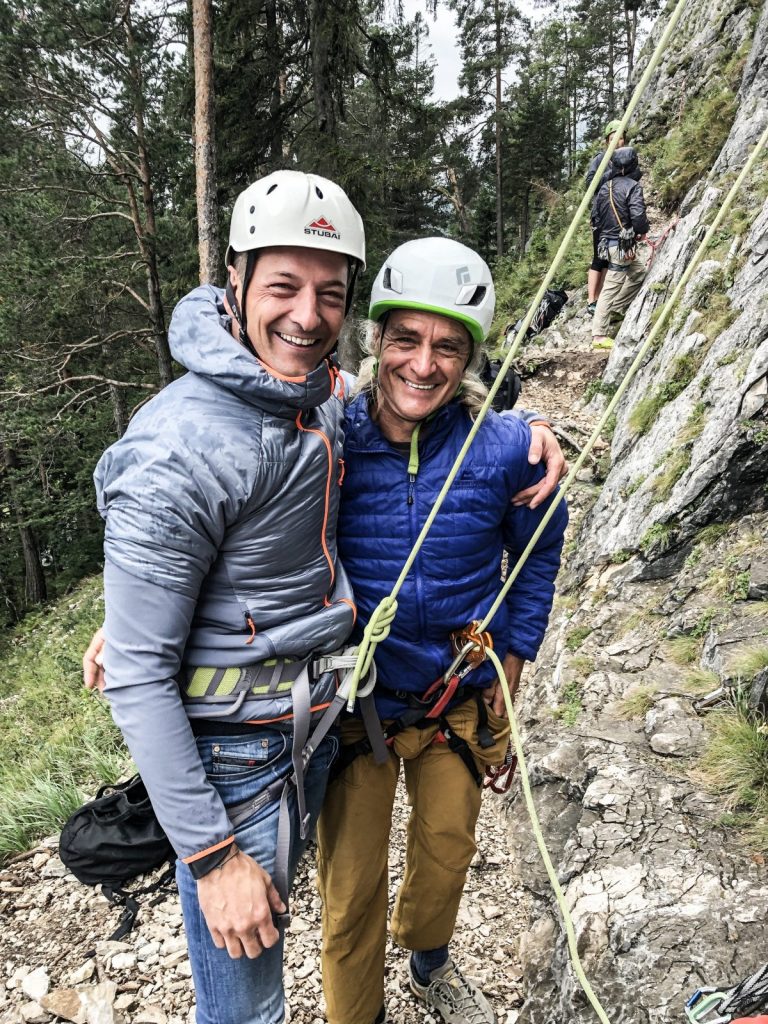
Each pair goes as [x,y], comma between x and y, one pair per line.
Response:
[509,392]
[114,838]
[550,306]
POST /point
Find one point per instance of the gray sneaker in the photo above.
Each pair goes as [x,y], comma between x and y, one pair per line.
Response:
[456,999]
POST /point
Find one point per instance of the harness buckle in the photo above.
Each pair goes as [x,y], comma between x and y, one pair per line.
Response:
[703,1005]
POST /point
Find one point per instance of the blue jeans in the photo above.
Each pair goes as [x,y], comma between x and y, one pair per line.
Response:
[247,991]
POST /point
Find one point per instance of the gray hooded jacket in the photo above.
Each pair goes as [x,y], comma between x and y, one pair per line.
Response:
[220,503]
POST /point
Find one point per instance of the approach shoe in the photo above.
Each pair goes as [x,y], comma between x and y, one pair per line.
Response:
[602,343]
[456,999]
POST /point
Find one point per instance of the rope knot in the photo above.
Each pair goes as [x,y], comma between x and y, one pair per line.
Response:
[374,633]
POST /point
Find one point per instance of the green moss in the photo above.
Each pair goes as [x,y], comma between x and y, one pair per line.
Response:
[727,359]
[620,556]
[569,706]
[597,387]
[658,536]
[681,373]
[576,637]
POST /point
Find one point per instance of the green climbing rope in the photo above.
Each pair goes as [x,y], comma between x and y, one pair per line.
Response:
[536,825]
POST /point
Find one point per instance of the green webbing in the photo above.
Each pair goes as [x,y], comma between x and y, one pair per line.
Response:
[666,309]
[526,784]
[386,606]
[413,459]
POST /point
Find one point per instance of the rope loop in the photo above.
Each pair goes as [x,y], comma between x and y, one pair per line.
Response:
[374,633]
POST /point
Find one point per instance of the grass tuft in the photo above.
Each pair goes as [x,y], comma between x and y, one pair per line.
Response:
[637,702]
[576,637]
[683,650]
[735,764]
[57,741]
[699,681]
[750,663]
[569,706]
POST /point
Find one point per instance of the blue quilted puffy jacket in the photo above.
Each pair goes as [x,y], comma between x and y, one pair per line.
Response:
[457,572]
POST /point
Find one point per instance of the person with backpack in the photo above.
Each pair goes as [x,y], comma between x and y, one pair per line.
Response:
[225,600]
[599,266]
[416,398]
[619,211]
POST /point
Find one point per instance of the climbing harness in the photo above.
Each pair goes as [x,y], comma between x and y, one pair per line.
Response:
[625,243]
[498,777]
[712,1005]
[303,747]
[387,603]
[446,692]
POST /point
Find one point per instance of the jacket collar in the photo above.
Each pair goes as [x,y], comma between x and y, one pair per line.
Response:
[205,346]
[364,435]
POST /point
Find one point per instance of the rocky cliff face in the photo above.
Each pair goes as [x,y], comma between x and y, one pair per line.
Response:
[664,593]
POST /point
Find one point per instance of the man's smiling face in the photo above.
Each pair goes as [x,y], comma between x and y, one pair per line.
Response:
[295,307]
[422,360]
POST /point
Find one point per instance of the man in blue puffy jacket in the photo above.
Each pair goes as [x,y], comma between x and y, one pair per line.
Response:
[432,306]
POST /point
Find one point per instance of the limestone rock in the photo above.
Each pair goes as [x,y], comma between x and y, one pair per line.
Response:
[672,730]
[35,984]
[99,1003]
[65,1003]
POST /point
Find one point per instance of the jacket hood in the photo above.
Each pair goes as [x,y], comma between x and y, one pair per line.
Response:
[201,340]
[624,162]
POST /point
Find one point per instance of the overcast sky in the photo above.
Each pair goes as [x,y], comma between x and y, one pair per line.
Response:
[442,40]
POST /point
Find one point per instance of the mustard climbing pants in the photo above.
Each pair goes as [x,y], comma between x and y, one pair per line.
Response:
[353,841]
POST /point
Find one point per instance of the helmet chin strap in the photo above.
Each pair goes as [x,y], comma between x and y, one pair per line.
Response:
[237,312]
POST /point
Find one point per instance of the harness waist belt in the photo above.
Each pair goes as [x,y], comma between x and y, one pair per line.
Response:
[266,679]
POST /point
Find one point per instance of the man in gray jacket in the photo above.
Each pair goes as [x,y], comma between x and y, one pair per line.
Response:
[222,583]
[221,577]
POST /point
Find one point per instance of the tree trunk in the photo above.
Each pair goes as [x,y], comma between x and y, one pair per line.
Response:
[325,112]
[205,143]
[611,69]
[458,202]
[499,182]
[35,590]
[146,231]
[274,49]
[630,24]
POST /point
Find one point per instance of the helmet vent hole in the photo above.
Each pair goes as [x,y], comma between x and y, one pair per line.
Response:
[387,282]
[318,192]
[253,209]
[478,296]
[269,191]
[253,228]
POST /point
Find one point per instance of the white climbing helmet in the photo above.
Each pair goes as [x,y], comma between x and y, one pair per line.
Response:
[437,275]
[293,208]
